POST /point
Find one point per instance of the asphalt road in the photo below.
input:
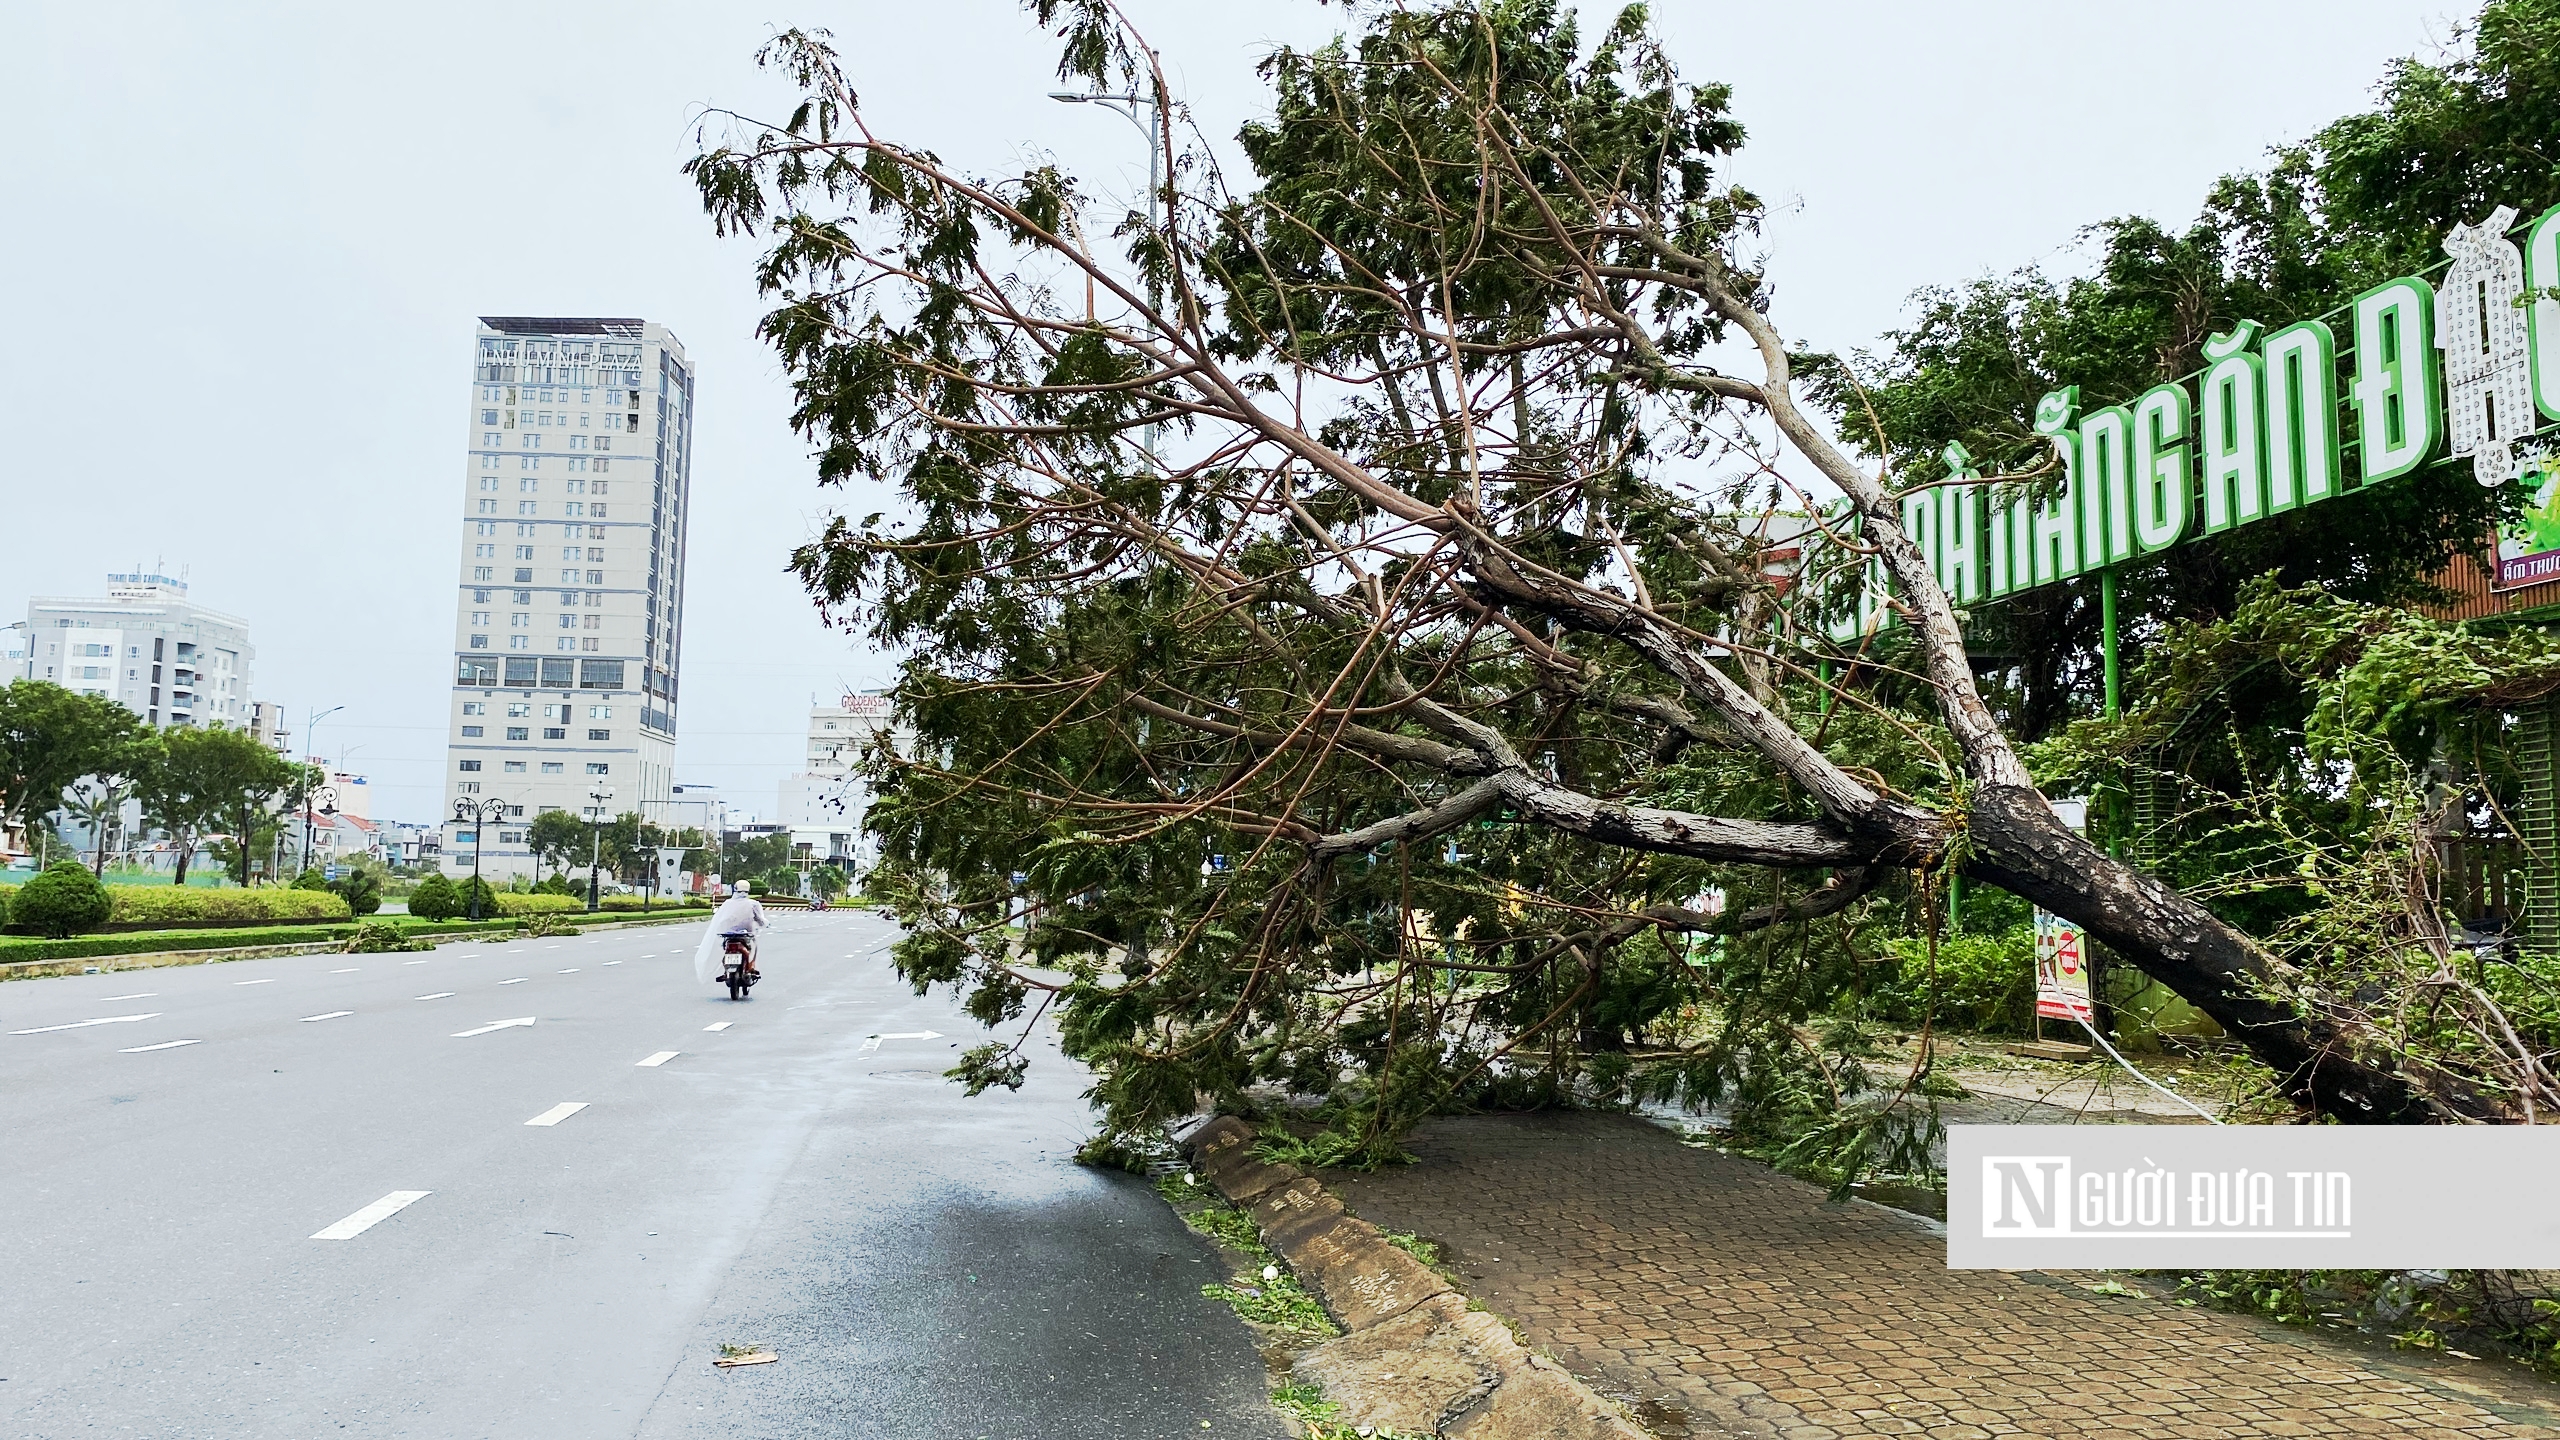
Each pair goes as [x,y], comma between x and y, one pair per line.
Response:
[924,1263]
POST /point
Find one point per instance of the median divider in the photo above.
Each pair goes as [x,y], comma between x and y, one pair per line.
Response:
[1415,1357]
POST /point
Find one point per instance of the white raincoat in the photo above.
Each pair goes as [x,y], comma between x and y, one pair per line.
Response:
[738,912]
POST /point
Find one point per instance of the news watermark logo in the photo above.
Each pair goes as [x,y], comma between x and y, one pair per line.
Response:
[2026,1195]
[2139,1196]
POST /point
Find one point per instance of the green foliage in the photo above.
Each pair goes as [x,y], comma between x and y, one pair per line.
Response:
[172,905]
[51,737]
[62,900]
[360,887]
[474,895]
[375,937]
[311,878]
[557,884]
[209,777]
[2367,198]
[559,839]
[435,898]
[1985,984]
[549,923]
[2480,1310]
[538,903]
[1277,1300]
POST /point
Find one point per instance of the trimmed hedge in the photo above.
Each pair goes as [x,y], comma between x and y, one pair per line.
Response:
[663,902]
[518,906]
[169,904]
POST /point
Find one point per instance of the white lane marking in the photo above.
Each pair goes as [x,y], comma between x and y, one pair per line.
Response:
[78,1024]
[413,962]
[617,962]
[163,1045]
[718,1026]
[550,947]
[662,1057]
[270,980]
[872,1043]
[373,1214]
[572,970]
[439,995]
[494,1025]
[350,970]
[332,1015]
[558,1113]
[145,995]
[516,981]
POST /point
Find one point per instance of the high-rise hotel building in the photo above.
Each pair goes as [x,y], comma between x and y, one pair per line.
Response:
[569,608]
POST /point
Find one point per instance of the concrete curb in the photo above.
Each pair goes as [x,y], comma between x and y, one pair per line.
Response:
[1412,1358]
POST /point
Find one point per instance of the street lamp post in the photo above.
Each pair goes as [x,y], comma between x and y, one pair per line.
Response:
[479,815]
[1128,107]
[325,799]
[595,846]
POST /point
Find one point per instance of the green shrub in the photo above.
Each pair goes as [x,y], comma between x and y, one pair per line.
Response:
[662,901]
[6,891]
[556,883]
[62,901]
[549,923]
[361,889]
[311,879]
[518,906]
[1983,983]
[173,905]
[487,901]
[435,899]
[375,937]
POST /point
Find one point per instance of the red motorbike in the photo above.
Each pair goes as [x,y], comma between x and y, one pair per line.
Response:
[738,964]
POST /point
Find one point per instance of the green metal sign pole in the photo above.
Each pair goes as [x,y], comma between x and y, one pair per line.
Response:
[2107,636]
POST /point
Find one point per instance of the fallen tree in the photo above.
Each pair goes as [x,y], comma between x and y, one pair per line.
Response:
[1346,623]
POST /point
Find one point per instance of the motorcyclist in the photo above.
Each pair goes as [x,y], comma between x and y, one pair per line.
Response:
[740,915]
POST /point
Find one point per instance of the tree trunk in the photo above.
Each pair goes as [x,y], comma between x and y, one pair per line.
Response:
[2018,845]
[186,852]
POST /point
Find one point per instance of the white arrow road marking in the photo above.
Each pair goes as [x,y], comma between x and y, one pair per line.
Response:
[77,1024]
[439,995]
[163,1045]
[558,1113]
[873,1043]
[494,1025]
[661,1058]
[270,980]
[719,1026]
[373,1214]
[332,1015]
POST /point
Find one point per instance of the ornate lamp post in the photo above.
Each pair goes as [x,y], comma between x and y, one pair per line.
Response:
[479,815]
[595,845]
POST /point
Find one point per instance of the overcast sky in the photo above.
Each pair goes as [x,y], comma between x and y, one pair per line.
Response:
[247,243]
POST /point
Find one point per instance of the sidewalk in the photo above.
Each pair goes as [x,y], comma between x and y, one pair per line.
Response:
[1716,1297]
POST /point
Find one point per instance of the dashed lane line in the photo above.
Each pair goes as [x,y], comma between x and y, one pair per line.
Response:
[558,1113]
[572,970]
[145,995]
[439,995]
[719,1025]
[350,970]
[516,981]
[373,1214]
[163,1045]
[661,1058]
[332,1015]
[82,1024]
[270,980]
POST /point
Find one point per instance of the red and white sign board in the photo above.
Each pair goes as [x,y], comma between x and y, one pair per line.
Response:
[2062,969]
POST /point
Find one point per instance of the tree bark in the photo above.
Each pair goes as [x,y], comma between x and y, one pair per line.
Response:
[2018,845]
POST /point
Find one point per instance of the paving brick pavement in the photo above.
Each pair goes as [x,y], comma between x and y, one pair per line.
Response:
[1720,1298]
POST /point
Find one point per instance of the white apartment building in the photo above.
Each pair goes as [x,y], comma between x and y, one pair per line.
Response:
[825,804]
[569,603]
[146,646]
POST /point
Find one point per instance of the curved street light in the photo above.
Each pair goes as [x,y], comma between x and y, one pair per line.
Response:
[479,815]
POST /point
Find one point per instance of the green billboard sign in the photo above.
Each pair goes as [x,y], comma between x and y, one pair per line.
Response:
[2276,422]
